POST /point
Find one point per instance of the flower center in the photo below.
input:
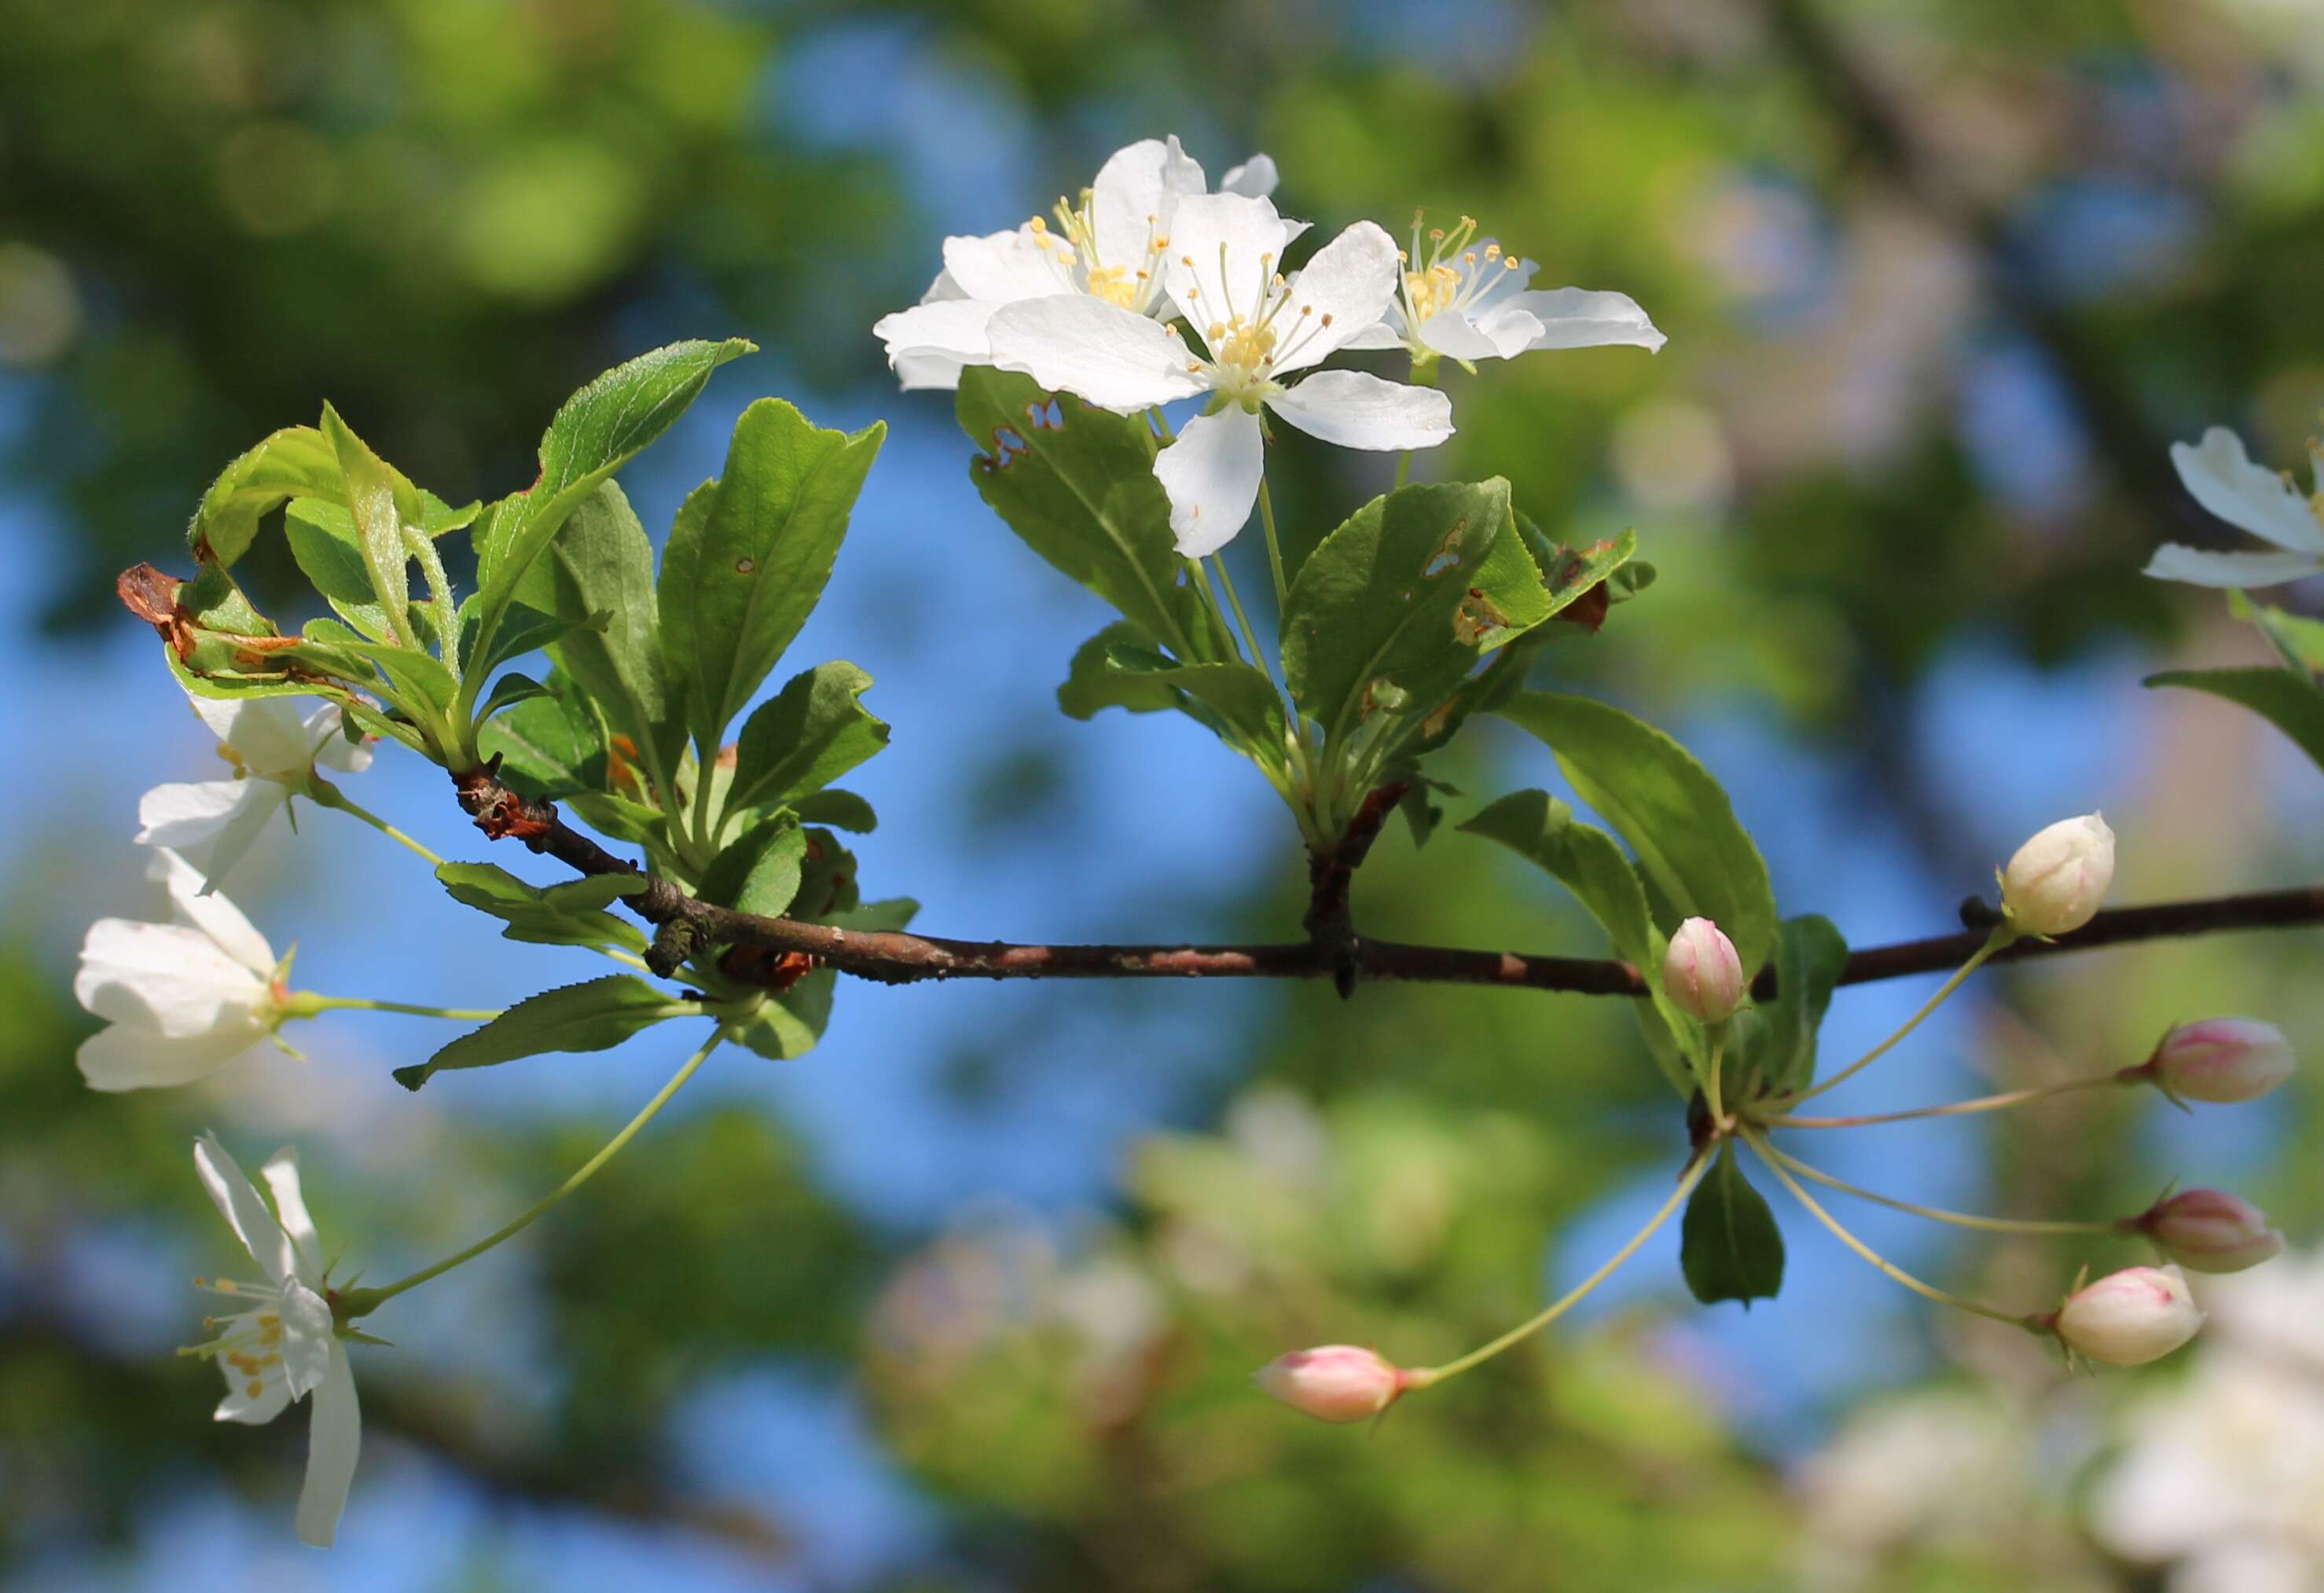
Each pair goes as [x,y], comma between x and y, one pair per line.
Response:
[233,755]
[1247,347]
[1454,278]
[1074,253]
[248,1345]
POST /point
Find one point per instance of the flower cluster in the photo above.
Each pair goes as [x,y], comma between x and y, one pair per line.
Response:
[1153,289]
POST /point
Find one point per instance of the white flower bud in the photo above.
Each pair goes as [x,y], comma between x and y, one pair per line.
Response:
[1701,973]
[1332,1383]
[2131,1317]
[2058,879]
[2221,1060]
[2210,1230]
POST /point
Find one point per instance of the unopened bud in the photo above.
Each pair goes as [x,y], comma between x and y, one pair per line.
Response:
[2058,879]
[2221,1060]
[2128,1317]
[1332,1383]
[1701,973]
[2210,1230]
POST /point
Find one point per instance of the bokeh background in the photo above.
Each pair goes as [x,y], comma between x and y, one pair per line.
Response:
[966,1299]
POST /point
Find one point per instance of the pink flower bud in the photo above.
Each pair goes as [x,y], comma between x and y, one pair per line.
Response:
[2058,879]
[2131,1317]
[1332,1383]
[1701,973]
[2210,1230]
[2219,1060]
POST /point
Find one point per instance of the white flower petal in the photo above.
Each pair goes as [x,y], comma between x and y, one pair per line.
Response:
[307,1338]
[211,913]
[917,372]
[1113,357]
[942,289]
[273,1397]
[1456,336]
[1255,179]
[216,855]
[266,732]
[2174,561]
[1340,294]
[1135,198]
[123,1058]
[1357,411]
[333,1443]
[1211,474]
[1004,267]
[281,1175]
[1582,317]
[2223,479]
[1387,333]
[187,813]
[950,329]
[167,979]
[329,745]
[244,1212]
[1223,248]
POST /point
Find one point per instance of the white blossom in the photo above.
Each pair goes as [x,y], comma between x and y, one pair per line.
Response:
[1467,300]
[2222,478]
[1253,328]
[272,751]
[1109,246]
[285,1345]
[180,999]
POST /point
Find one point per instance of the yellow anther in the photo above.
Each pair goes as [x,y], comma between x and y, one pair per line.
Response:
[1324,322]
[1492,251]
[1510,263]
[1435,234]
[253,1389]
[1037,225]
[1112,284]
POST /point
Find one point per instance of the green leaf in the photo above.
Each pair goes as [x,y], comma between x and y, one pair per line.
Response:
[2297,640]
[380,502]
[552,745]
[296,462]
[1227,697]
[1729,1247]
[1585,859]
[787,1023]
[2292,704]
[600,429]
[508,691]
[1395,606]
[758,871]
[843,810]
[827,892]
[599,567]
[1780,1052]
[572,914]
[610,813]
[805,736]
[1695,856]
[749,555]
[1077,485]
[419,682]
[1090,685]
[594,1015]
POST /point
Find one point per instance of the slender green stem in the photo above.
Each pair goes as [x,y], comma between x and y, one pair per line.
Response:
[1202,577]
[1423,375]
[323,794]
[2003,934]
[1711,1076]
[1880,1263]
[1403,467]
[306,1004]
[1938,1214]
[705,843]
[1421,1376]
[1983,1103]
[1274,548]
[371,1299]
[1226,582]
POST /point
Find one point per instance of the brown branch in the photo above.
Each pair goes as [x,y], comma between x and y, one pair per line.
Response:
[896,958]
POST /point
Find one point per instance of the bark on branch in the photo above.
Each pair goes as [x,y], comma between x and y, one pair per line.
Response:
[899,958]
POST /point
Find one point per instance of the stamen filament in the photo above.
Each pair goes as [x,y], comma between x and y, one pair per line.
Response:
[1423,1376]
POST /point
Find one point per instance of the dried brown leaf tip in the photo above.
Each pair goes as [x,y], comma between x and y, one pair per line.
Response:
[151,594]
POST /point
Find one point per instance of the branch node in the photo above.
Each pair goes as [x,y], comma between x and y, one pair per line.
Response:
[674,943]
